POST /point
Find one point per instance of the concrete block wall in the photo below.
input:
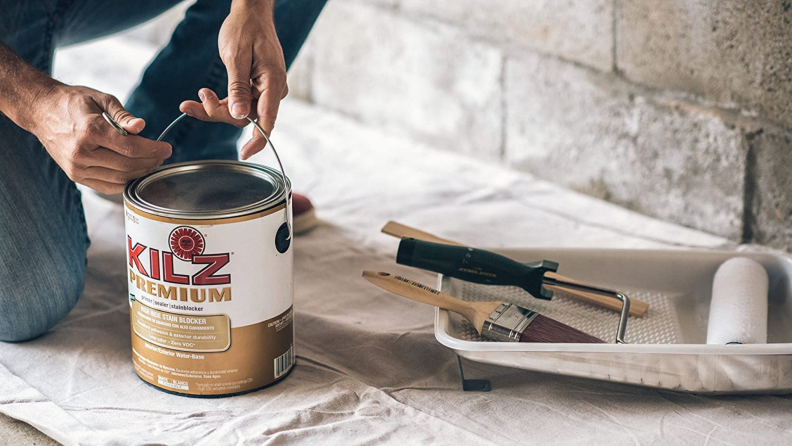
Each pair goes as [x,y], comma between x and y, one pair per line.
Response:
[680,109]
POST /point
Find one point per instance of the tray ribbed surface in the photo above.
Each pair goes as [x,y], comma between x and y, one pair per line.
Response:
[658,326]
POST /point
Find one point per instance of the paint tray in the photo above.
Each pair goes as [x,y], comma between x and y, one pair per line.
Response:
[666,348]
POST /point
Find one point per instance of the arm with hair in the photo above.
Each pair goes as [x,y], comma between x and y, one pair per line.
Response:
[68,121]
[21,86]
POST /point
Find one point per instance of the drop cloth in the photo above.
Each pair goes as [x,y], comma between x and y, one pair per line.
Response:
[369,370]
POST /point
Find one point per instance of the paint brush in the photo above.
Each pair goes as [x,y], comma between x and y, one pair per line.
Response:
[496,320]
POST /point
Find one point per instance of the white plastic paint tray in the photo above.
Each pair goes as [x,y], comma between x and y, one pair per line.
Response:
[665,348]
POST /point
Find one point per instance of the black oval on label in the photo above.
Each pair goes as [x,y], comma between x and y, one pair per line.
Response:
[282,239]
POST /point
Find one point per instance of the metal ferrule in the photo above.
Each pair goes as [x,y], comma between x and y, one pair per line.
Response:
[507,323]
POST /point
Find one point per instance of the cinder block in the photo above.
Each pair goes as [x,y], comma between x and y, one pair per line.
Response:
[578,30]
[735,53]
[771,194]
[425,79]
[591,132]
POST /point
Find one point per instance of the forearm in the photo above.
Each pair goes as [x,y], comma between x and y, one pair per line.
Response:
[21,85]
[265,7]
[261,12]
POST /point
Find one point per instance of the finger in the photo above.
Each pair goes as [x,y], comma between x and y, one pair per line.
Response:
[195,110]
[239,93]
[218,109]
[212,109]
[254,146]
[102,134]
[272,85]
[103,186]
[134,146]
[121,116]
[211,103]
[103,157]
[252,115]
[112,176]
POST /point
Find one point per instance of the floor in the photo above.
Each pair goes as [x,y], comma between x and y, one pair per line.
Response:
[15,433]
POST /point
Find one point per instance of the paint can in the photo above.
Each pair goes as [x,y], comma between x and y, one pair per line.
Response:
[210,270]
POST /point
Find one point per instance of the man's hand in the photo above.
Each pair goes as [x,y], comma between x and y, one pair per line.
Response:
[68,121]
[252,54]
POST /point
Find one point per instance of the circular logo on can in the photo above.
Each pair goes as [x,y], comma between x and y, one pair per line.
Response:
[186,242]
[282,238]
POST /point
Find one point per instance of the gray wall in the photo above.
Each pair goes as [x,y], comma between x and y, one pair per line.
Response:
[680,109]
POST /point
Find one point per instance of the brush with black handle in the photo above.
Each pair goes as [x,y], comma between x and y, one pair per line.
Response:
[476,265]
[497,320]
[489,268]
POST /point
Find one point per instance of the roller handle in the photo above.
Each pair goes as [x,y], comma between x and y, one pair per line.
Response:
[476,265]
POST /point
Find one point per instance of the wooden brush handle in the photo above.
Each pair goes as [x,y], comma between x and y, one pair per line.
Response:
[637,307]
[475,312]
[399,230]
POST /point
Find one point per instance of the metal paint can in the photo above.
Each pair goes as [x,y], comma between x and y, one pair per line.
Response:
[210,270]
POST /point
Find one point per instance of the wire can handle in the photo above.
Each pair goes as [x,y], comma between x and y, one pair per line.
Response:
[286,183]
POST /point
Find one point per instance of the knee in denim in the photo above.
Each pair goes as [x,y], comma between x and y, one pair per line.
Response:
[27,311]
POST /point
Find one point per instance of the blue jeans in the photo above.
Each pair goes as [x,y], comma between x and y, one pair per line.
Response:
[43,238]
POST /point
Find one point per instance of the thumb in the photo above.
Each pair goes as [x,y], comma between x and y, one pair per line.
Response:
[239,95]
[126,120]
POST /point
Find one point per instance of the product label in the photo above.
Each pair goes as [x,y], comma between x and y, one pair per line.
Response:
[210,303]
[206,333]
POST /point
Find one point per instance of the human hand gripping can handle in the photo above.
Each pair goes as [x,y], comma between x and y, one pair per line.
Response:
[115,125]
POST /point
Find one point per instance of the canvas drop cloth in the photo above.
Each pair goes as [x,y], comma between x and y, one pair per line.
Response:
[369,370]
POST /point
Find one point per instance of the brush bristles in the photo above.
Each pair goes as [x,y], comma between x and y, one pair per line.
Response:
[544,329]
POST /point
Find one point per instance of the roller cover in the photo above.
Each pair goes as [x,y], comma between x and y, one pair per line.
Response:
[738,310]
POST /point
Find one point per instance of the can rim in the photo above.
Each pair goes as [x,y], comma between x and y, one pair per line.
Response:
[278,196]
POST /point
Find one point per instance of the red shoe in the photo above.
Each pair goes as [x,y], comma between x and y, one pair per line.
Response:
[304,215]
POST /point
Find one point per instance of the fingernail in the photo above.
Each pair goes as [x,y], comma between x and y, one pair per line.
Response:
[238,111]
[202,95]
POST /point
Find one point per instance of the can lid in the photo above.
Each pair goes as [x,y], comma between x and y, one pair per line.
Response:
[207,189]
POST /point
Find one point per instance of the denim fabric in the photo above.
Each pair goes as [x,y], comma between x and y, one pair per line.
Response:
[43,238]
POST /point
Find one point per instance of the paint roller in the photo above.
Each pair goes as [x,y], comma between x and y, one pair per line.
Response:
[738,310]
